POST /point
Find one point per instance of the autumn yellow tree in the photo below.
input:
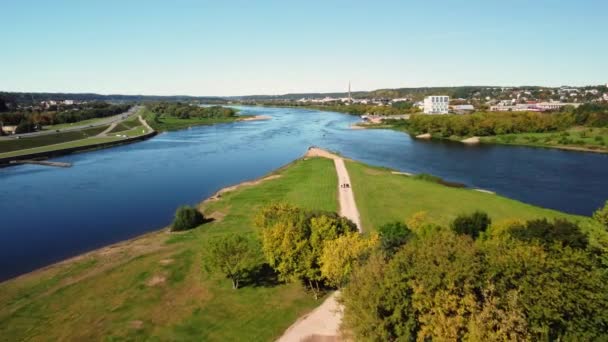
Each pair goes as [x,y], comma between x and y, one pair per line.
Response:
[340,256]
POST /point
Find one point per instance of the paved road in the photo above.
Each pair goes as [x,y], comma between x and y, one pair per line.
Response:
[103,122]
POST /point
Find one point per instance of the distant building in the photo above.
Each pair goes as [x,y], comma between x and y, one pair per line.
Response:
[554,105]
[463,109]
[436,104]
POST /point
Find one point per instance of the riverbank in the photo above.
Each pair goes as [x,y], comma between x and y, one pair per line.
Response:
[154,286]
[109,136]
[163,123]
[594,142]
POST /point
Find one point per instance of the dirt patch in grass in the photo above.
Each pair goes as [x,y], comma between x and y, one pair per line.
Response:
[137,324]
[219,194]
[156,280]
[165,262]
[374,172]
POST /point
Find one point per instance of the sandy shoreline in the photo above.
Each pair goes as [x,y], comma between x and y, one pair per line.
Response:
[256,118]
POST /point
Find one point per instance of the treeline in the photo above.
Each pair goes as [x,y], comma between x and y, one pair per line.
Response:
[186,111]
[590,114]
[487,123]
[25,99]
[477,281]
[496,123]
[398,108]
[473,280]
[29,120]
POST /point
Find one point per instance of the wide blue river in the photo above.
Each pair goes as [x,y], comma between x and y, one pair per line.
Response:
[48,214]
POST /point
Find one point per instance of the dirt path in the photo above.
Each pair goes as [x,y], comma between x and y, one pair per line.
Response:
[107,130]
[323,323]
[348,207]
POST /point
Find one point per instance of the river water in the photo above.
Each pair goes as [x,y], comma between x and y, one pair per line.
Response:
[49,214]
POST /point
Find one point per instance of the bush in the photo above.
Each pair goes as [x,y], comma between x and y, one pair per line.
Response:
[601,215]
[472,225]
[547,233]
[235,256]
[187,217]
[392,236]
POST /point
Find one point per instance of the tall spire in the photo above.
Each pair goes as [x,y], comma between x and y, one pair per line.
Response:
[350,99]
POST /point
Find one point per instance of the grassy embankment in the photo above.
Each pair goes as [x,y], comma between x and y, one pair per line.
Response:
[155,288]
[172,123]
[576,138]
[402,196]
[130,127]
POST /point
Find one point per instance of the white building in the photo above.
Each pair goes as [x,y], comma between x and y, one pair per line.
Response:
[436,104]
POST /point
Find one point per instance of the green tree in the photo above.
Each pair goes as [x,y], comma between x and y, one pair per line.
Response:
[293,240]
[393,235]
[547,233]
[341,255]
[472,225]
[187,217]
[235,256]
[562,291]
[601,215]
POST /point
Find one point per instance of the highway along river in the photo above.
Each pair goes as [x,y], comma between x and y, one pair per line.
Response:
[49,214]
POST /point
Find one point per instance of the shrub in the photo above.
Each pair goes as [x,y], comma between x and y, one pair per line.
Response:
[392,236]
[547,233]
[187,217]
[235,256]
[601,215]
[472,225]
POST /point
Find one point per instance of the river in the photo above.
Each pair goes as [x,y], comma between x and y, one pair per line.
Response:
[49,214]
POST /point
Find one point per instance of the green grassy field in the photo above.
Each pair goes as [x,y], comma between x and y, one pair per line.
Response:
[126,125]
[575,138]
[154,287]
[70,144]
[171,123]
[50,139]
[384,197]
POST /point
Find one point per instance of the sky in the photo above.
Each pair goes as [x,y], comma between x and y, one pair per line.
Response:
[223,48]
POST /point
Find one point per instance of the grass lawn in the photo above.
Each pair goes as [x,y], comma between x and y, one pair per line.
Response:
[126,124]
[154,287]
[384,197]
[50,139]
[75,143]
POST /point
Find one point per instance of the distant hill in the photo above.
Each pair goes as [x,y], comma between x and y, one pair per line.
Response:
[415,93]
[27,98]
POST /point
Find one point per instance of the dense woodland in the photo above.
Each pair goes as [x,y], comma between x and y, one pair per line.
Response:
[474,280]
[535,280]
[187,111]
[496,123]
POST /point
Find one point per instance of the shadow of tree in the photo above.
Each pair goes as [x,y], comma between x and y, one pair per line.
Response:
[262,276]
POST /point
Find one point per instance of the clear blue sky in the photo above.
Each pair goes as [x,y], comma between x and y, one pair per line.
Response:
[274,47]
